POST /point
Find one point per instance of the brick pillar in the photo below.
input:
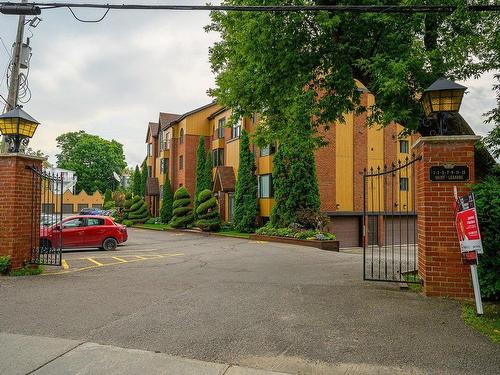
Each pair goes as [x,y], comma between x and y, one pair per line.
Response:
[16,184]
[439,259]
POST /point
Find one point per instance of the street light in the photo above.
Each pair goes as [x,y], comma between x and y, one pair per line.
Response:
[441,98]
[17,127]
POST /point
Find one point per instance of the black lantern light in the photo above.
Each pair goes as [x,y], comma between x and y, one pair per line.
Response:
[17,127]
[442,98]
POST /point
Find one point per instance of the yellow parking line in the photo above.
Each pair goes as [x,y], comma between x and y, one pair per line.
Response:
[257,242]
[95,261]
[64,264]
[140,257]
[100,265]
[120,259]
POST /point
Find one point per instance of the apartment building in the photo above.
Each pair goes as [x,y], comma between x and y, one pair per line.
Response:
[173,140]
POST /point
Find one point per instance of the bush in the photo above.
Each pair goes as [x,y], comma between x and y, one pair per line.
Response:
[166,202]
[153,220]
[293,232]
[487,195]
[135,211]
[108,195]
[108,205]
[128,223]
[207,213]
[183,214]
[4,264]
[312,219]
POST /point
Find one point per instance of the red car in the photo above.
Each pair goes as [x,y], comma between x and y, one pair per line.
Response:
[84,231]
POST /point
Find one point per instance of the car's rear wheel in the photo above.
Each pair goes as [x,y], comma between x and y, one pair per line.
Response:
[110,244]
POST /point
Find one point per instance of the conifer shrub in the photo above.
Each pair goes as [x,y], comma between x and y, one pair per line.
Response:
[135,210]
[207,212]
[182,213]
[203,175]
[166,202]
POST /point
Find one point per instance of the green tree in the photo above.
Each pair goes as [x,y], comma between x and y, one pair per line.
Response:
[203,180]
[144,178]
[492,141]
[93,158]
[108,195]
[183,214]
[136,211]
[487,195]
[245,200]
[284,64]
[166,202]
[294,179]
[136,181]
[207,212]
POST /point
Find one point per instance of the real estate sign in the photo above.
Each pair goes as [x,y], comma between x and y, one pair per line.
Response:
[467,225]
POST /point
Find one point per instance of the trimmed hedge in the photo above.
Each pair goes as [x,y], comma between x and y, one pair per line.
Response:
[207,212]
[183,214]
[310,234]
[135,211]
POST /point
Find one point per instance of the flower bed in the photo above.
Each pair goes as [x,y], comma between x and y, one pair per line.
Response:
[330,245]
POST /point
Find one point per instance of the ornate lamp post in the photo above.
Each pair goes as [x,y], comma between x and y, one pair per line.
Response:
[17,127]
[442,98]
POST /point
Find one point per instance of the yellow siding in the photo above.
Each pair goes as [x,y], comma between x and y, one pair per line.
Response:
[405,197]
[226,206]
[82,198]
[218,143]
[198,123]
[266,164]
[266,205]
[344,174]
[233,155]
[375,154]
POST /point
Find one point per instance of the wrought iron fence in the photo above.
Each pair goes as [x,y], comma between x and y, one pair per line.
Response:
[390,250]
[46,207]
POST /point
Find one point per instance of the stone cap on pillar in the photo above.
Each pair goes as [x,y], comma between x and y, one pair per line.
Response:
[446,139]
[21,155]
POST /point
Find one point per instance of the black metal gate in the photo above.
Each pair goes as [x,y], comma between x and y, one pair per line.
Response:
[390,250]
[46,207]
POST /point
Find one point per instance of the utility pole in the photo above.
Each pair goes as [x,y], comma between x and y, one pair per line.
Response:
[16,65]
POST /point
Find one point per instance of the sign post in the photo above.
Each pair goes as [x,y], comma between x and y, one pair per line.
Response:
[470,239]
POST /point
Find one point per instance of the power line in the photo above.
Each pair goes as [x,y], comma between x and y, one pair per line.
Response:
[265,8]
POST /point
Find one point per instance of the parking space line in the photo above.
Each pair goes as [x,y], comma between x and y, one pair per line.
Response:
[95,261]
[64,264]
[100,265]
[120,259]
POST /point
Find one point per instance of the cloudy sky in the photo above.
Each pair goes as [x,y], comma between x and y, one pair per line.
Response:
[113,77]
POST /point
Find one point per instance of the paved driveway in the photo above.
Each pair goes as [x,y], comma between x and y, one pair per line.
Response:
[273,306]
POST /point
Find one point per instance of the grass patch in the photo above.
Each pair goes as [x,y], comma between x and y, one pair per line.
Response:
[27,271]
[488,324]
[233,233]
[153,226]
[412,286]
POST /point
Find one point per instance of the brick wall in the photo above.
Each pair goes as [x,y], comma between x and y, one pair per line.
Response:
[439,259]
[16,197]
[326,170]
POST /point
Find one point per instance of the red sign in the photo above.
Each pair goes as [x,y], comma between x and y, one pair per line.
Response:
[468,226]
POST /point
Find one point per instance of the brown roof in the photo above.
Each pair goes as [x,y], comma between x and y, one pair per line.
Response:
[182,117]
[167,118]
[152,187]
[152,129]
[218,112]
[224,179]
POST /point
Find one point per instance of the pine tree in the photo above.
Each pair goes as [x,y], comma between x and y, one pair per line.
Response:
[135,211]
[207,212]
[183,214]
[295,182]
[201,180]
[144,178]
[166,202]
[245,200]
[136,181]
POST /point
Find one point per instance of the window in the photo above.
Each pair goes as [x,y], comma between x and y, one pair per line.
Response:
[403,147]
[93,222]
[181,136]
[150,149]
[181,162]
[268,150]
[161,192]
[167,139]
[164,166]
[150,171]
[75,223]
[236,129]
[266,186]
[218,157]
[403,183]
[230,208]
[219,131]
[162,146]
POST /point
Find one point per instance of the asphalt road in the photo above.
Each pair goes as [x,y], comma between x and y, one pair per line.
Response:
[272,306]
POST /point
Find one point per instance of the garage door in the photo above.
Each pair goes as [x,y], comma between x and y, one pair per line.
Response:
[400,230]
[347,230]
[82,206]
[67,208]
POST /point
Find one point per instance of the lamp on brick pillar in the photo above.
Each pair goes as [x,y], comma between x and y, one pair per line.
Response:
[440,99]
[17,127]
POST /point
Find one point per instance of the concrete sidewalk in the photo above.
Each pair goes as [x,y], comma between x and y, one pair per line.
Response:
[21,354]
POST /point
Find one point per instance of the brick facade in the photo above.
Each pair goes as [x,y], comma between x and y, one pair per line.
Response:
[16,195]
[439,259]
[326,171]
